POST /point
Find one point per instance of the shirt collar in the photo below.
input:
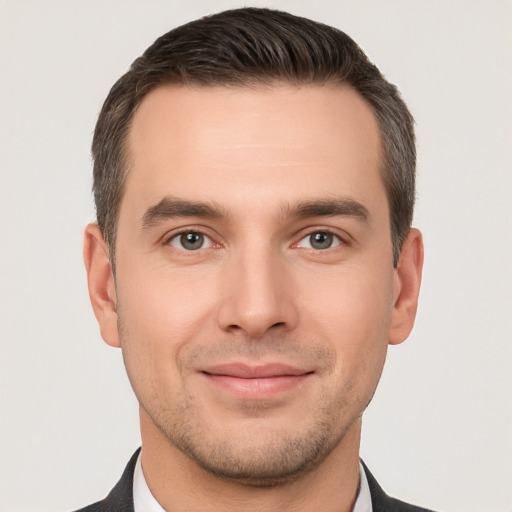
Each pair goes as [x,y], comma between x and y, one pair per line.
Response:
[364,498]
[143,500]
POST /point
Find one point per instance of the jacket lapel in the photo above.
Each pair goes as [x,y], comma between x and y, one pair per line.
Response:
[381,502]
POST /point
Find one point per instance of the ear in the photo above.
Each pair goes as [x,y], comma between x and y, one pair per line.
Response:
[100,279]
[406,287]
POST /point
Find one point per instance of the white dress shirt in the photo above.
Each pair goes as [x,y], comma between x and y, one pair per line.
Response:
[144,501]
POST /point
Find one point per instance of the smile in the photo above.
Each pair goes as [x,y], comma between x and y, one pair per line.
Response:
[256,382]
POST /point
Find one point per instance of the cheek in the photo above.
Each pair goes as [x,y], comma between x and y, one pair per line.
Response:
[164,305]
[352,311]
[160,312]
[353,300]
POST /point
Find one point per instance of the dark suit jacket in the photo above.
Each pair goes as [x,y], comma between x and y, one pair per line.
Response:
[120,498]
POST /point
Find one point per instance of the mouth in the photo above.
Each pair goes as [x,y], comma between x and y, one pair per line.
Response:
[256,382]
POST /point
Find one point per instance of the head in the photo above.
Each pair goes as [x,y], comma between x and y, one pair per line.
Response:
[250,48]
[254,175]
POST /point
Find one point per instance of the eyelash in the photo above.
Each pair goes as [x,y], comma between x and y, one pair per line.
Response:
[337,239]
[196,231]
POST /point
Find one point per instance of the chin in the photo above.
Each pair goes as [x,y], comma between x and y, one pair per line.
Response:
[266,460]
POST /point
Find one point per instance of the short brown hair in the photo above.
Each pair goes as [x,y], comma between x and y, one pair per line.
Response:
[248,47]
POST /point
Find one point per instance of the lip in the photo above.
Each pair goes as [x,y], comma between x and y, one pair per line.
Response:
[256,382]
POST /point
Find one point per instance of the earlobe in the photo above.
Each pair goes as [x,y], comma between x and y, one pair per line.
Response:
[407,282]
[100,280]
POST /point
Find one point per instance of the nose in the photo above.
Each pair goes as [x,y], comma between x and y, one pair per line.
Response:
[257,295]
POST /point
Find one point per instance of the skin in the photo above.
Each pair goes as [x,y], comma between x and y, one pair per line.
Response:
[256,173]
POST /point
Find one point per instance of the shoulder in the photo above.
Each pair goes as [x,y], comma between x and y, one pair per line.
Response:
[120,498]
[400,506]
[381,502]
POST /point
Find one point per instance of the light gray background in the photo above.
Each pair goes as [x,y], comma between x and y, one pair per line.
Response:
[439,429]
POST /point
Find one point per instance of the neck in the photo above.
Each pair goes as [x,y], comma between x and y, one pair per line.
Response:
[179,484]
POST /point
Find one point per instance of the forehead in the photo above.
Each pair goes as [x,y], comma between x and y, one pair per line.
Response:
[240,143]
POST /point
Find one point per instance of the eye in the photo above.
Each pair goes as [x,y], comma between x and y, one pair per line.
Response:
[190,241]
[320,240]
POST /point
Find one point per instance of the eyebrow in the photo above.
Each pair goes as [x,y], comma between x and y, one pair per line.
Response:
[171,207]
[329,208]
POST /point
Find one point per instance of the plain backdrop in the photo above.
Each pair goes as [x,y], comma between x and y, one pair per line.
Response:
[439,431]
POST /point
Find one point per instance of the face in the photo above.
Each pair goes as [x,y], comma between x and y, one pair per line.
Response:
[255,292]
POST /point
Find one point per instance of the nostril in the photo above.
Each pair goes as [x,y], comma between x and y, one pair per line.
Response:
[277,324]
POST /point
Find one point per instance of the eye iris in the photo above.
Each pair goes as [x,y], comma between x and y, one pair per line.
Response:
[321,240]
[192,241]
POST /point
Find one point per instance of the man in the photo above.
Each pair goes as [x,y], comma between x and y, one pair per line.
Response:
[253,258]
